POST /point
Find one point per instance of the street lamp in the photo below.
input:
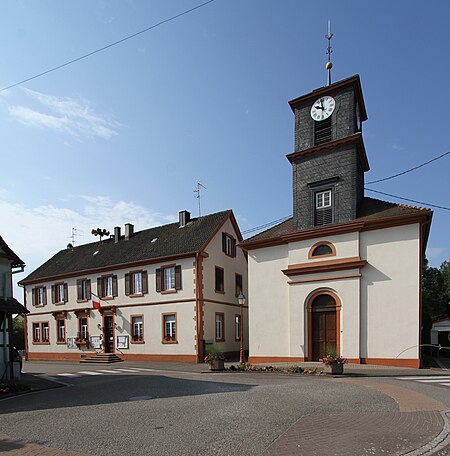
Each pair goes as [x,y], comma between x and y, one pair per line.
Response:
[241,300]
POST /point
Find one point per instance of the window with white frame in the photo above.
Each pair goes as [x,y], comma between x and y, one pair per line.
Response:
[83,289]
[323,199]
[61,330]
[59,292]
[219,327]
[169,323]
[136,282]
[45,332]
[36,332]
[40,296]
[137,333]
[323,208]
[169,278]
[83,328]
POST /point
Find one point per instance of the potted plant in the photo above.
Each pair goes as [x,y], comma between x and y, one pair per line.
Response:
[335,362]
[215,359]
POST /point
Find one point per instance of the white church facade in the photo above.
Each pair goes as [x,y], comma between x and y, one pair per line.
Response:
[343,275]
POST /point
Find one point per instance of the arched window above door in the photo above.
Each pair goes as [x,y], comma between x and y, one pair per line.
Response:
[322,249]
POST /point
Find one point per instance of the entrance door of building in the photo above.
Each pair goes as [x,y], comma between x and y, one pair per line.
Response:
[324,326]
[108,324]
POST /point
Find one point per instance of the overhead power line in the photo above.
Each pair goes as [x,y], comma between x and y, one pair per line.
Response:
[266,225]
[407,199]
[409,170]
[115,43]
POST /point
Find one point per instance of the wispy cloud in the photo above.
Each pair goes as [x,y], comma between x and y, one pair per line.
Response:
[37,233]
[64,114]
[434,253]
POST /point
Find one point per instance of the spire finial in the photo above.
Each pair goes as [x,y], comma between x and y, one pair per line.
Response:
[329,64]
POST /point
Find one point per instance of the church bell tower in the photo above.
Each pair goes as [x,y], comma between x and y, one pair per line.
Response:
[329,159]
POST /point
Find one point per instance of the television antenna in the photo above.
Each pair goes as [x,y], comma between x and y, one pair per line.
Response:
[197,191]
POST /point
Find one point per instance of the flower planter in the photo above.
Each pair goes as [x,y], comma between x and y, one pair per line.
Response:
[336,368]
[217,365]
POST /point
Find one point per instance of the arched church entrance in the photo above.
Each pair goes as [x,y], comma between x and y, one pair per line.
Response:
[323,313]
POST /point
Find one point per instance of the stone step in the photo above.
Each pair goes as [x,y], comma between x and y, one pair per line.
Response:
[102,358]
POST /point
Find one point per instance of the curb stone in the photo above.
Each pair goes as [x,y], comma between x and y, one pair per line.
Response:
[438,443]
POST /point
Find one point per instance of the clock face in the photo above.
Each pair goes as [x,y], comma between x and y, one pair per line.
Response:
[323,108]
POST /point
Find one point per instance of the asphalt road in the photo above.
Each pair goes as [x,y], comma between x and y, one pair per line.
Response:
[157,412]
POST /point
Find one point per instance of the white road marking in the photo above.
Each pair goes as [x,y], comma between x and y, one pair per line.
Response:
[437,377]
[107,371]
[89,373]
[66,374]
[144,369]
[434,380]
[445,384]
[127,370]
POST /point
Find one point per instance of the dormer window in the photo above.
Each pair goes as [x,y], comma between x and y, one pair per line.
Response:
[323,213]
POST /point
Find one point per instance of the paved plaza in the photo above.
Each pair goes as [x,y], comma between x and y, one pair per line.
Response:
[179,409]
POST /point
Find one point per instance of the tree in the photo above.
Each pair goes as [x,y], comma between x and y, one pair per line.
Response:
[18,334]
[435,295]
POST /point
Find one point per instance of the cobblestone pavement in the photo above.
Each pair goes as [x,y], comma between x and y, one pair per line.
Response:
[418,421]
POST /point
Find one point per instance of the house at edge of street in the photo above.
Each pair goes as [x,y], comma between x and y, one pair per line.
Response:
[10,264]
[166,294]
[344,273]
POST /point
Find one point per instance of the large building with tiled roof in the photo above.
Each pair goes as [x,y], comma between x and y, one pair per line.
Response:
[164,294]
[343,275]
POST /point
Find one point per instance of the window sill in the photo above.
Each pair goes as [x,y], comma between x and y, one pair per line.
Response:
[168,342]
[220,292]
[82,300]
[168,291]
[136,295]
[41,343]
[61,342]
[229,255]
[219,340]
[107,298]
[60,303]
[39,305]
[137,342]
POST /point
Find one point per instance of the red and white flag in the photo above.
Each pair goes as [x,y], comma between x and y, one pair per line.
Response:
[96,305]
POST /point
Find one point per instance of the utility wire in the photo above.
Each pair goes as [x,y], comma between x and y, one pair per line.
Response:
[407,199]
[266,225]
[107,46]
[408,170]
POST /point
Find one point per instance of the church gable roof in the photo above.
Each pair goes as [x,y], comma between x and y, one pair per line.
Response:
[370,210]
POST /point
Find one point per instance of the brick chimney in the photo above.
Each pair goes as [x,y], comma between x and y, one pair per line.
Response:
[116,234]
[129,230]
[184,218]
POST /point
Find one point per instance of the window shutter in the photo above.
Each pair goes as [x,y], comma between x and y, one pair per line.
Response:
[88,289]
[158,279]
[33,296]
[144,282]
[224,242]
[114,285]
[234,247]
[79,289]
[178,277]
[53,294]
[45,296]
[99,287]
[66,293]
[127,284]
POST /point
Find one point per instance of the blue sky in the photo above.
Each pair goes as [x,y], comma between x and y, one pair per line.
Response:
[125,135]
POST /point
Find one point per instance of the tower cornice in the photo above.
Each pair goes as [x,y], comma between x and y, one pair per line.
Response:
[353,139]
[327,90]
